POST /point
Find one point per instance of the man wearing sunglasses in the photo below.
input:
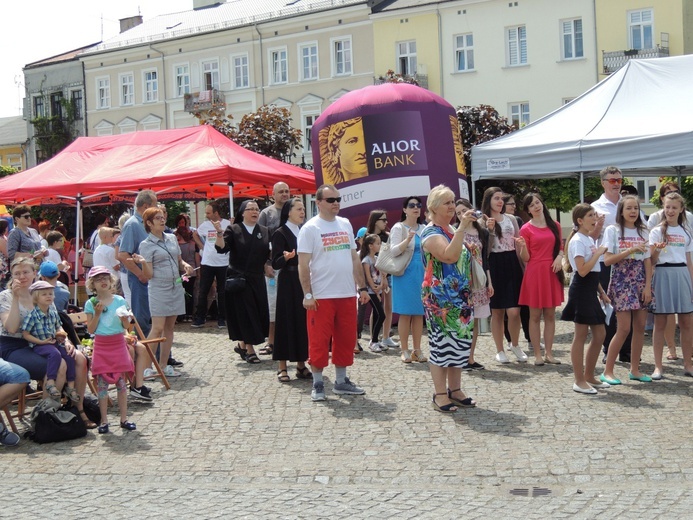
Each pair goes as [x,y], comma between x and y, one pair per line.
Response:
[330,272]
[605,206]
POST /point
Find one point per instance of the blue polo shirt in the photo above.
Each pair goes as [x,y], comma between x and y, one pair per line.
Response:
[132,234]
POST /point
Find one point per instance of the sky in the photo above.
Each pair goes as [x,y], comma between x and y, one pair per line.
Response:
[38,29]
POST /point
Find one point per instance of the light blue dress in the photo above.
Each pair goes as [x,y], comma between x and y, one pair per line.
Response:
[406,289]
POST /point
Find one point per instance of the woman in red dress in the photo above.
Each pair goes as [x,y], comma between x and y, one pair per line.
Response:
[542,285]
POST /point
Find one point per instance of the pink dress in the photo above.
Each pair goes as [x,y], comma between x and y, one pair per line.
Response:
[540,285]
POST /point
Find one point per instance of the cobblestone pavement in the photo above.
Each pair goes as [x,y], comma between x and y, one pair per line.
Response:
[229,441]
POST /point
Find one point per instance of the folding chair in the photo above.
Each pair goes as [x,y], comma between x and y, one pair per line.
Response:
[146,342]
[13,427]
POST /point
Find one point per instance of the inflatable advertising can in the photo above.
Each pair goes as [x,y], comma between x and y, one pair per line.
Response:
[382,143]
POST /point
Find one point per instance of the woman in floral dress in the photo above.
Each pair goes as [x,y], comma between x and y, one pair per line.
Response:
[446,297]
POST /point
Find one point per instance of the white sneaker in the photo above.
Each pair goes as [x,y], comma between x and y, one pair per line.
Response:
[377,347]
[502,358]
[389,342]
[170,372]
[521,356]
[150,374]
[509,347]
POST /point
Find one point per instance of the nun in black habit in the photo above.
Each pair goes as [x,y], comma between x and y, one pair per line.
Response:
[247,310]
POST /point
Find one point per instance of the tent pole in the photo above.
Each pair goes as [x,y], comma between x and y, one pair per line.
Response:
[231,213]
[582,186]
[77,248]
[473,193]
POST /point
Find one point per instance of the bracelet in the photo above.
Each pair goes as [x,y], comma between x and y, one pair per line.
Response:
[360,289]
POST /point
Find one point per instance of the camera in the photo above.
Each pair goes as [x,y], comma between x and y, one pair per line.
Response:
[477,214]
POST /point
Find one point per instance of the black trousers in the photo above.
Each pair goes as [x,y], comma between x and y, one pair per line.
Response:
[207,276]
[604,277]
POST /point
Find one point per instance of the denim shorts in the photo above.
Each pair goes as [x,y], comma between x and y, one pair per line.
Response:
[11,373]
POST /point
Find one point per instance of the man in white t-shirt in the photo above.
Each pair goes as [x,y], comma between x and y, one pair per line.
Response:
[270,217]
[605,206]
[213,266]
[330,271]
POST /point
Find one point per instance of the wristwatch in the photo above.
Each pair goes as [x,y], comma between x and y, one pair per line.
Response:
[308,296]
[361,289]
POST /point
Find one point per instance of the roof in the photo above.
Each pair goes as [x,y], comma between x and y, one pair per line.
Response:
[12,130]
[234,13]
[398,5]
[65,56]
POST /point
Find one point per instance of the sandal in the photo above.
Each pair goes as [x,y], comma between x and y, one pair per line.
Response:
[283,378]
[127,425]
[267,350]
[446,408]
[303,373]
[672,357]
[53,392]
[467,402]
[252,358]
[418,356]
[240,351]
[406,356]
[87,422]
[72,394]
[103,428]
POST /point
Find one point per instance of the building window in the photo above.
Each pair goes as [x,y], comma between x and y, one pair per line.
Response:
[309,61]
[279,72]
[572,39]
[39,108]
[77,103]
[308,121]
[341,56]
[182,80]
[241,72]
[406,58]
[103,93]
[56,105]
[127,89]
[15,161]
[517,45]
[646,189]
[151,86]
[210,75]
[464,52]
[519,114]
[641,28]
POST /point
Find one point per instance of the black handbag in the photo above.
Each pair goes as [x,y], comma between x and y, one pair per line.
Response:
[91,408]
[235,283]
[54,424]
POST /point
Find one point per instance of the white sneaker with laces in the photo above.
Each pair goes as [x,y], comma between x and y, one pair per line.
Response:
[389,342]
[521,356]
[377,347]
[150,374]
[502,358]
[170,372]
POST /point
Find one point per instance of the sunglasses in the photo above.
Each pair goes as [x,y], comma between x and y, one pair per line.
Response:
[614,182]
[413,205]
[383,219]
[27,216]
[332,200]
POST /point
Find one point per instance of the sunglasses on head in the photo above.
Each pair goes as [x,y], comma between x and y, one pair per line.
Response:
[332,200]
[413,205]
[614,182]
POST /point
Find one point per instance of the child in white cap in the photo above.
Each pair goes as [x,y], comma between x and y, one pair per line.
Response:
[43,329]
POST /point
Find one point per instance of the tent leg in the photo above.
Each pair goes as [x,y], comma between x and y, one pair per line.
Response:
[582,187]
[473,193]
[77,234]
[231,213]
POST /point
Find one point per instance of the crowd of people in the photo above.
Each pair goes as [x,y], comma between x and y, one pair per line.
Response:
[303,288]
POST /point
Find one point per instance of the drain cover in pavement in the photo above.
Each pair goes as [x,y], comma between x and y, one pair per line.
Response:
[534,492]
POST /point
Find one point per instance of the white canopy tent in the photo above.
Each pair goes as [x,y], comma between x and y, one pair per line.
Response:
[639,119]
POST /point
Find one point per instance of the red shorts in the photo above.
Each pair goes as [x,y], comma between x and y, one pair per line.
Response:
[334,321]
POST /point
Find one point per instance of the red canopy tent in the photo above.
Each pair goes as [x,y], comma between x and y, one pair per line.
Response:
[199,160]
[195,163]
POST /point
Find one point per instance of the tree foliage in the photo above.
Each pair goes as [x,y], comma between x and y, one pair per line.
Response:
[686,185]
[54,133]
[6,170]
[267,131]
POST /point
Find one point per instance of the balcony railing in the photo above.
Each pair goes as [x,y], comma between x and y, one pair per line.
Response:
[204,101]
[614,60]
[416,79]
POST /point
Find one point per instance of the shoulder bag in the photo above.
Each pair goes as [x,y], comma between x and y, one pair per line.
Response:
[391,263]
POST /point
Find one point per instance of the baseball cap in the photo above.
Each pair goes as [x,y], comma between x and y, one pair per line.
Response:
[361,233]
[48,269]
[95,271]
[37,286]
